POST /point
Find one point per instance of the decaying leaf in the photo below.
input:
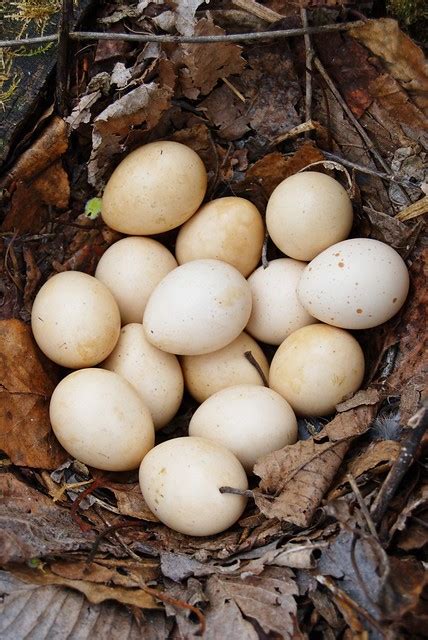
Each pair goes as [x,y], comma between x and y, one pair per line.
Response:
[130,501]
[27,382]
[287,489]
[362,397]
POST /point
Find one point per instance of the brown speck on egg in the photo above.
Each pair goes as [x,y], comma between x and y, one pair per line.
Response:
[359,311]
[340,264]
[394,300]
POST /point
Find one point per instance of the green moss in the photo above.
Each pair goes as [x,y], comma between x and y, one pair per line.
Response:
[412,16]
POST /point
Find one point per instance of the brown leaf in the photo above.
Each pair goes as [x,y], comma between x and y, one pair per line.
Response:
[408,539]
[58,612]
[227,112]
[27,381]
[122,573]
[204,64]
[288,489]
[362,397]
[33,526]
[404,60]
[266,599]
[199,139]
[130,501]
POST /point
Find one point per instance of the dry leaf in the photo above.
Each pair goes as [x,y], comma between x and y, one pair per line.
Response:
[27,381]
[287,489]
[185,15]
[130,501]
[404,60]
[362,397]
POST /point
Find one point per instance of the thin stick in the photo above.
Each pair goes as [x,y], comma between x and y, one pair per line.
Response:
[363,505]
[237,492]
[163,597]
[231,37]
[62,60]
[372,172]
[375,153]
[234,90]
[308,70]
[265,261]
[251,359]
[258,10]
[418,425]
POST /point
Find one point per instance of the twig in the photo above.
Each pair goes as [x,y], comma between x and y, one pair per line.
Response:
[163,597]
[265,261]
[295,131]
[308,70]
[123,544]
[103,534]
[62,59]
[251,359]
[237,492]
[230,37]
[76,504]
[373,172]
[375,153]
[418,425]
[363,505]
[416,209]
[257,9]
[233,89]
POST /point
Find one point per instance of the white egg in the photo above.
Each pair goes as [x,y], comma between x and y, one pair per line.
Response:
[207,374]
[355,284]
[307,213]
[100,419]
[277,311]
[131,269]
[156,375]
[249,420]
[197,308]
[317,367]
[229,229]
[180,481]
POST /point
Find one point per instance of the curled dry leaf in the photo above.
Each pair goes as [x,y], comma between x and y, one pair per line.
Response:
[130,501]
[27,382]
[295,478]
[364,396]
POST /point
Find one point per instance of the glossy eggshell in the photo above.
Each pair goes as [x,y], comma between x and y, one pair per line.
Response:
[276,310]
[197,308]
[316,367]
[180,481]
[307,213]
[249,420]
[100,419]
[355,284]
[156,375]
[131,268]
[229,229]
[207,374]
[154,189]
[75,320]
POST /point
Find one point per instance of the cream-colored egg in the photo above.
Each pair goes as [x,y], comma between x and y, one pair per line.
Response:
[75,320]
[154,189]
[131,269]
[307,213]
[207,374]
[197,308]
[355,284]
[156,375]
[316,367]
[180,481]
[100,419]
[249,420]
[229,229]
[277,311]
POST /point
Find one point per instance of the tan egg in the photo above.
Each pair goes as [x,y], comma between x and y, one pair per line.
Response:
[154,189]
[131,269]
[100,419]
[75,320]
[277,311]
[229,229]
[316,368]
[307,213]
[156,375]
[180,481]
[249,420]
[355,284]
[207,374]
[197,308]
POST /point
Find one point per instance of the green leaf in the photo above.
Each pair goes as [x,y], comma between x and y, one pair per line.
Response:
[93,208]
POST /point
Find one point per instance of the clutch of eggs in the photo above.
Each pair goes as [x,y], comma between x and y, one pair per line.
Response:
[193,320]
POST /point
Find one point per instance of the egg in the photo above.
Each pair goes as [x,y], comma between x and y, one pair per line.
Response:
[100,419]
[131,268]
[307,213]
[355,284]
[276,310]
[75,320]
[229,229]
[154,189]
[180,481]
[197,308]
[249,420]
[317,367]
[156,375]
[207,374]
